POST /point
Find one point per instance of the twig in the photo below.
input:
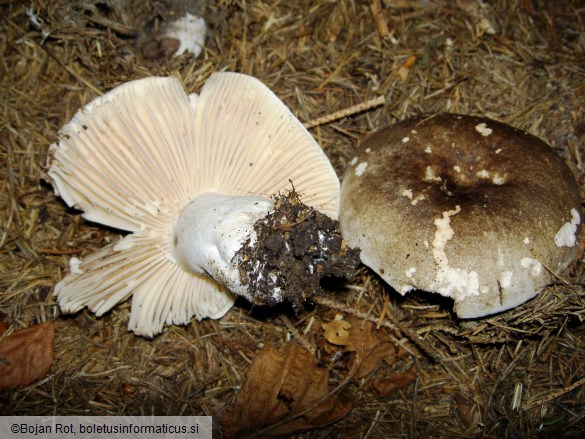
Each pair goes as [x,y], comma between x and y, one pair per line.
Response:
[297,335]
[373,424]
[555,394]
[56,251]
[364,106]
[69,70]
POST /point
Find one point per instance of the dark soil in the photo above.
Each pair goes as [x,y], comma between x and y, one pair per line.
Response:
[296,248]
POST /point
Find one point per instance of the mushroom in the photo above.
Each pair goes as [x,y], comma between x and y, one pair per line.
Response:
[187,176]
[463,206]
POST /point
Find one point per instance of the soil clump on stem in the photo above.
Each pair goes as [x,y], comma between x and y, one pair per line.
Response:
[296,248]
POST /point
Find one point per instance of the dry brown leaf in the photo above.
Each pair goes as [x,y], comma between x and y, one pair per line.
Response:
[394,381]
[3,325]
[337,331]
[285,392]
[467,410]
[370,346]
[26,355]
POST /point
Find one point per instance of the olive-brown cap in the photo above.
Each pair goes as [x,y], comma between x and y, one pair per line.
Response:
[467,207]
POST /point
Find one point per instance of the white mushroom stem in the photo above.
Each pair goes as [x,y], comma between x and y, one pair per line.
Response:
[211,229]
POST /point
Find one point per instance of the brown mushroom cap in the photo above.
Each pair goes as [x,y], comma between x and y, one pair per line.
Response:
[464,206]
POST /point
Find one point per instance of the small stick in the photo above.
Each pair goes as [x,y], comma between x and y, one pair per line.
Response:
[56,251]
[368,105]
[555,394]
[69,70]
[297,335]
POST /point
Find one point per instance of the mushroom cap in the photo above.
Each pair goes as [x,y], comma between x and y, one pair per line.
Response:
[463,206]
[135,157]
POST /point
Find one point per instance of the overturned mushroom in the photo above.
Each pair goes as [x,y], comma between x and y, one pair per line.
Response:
[463,206]
[188,176]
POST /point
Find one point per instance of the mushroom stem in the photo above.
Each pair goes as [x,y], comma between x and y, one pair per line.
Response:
[211,229]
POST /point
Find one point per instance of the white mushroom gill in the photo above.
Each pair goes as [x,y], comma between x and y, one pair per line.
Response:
[139,159]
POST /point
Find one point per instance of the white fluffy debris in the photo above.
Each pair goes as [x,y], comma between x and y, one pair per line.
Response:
[190,30]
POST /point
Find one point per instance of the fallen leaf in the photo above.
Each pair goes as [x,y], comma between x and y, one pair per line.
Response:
[467,410]
[337,331]
[394,381]
[3,325]
[285,392]
[26,355]
[370,345]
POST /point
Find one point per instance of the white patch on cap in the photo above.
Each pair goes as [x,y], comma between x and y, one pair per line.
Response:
[353,161]
[526,240]
[410,272]
[499,150]
[361,168]
[506,279]
[457,168]
[498,180]
[482,129]
[368,150]
[406,289]
[430,174]
[74,264]
[428,149]
[443,234]
[449,281]
[533,265]
[566,236]
[417,199]
[405,140]
[407,193]
[501,259]
[413,131]
[484,173]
